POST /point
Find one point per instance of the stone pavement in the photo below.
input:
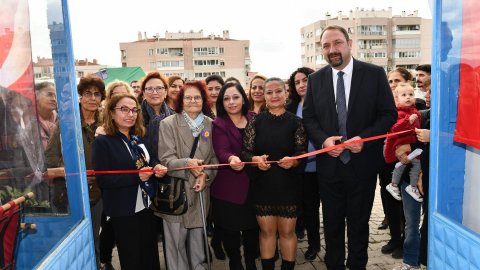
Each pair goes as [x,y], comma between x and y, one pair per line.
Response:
[377,260]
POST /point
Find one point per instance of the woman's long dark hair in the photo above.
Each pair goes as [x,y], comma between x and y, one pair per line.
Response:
[221,109]
[294,96]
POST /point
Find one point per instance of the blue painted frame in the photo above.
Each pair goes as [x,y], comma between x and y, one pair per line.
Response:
[65,240]
[451,245]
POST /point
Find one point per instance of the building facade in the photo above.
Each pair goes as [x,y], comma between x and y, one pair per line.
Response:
[43,68]
[378,37]
[190,55]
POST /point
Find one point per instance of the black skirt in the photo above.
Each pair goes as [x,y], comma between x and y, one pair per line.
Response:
[233,217]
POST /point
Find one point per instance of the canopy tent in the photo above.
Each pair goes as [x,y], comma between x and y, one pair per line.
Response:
[126,74]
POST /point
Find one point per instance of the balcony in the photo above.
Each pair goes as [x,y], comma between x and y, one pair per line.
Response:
[406,32]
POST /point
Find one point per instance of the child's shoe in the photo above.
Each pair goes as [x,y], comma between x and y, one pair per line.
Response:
[413,191]
[394,190]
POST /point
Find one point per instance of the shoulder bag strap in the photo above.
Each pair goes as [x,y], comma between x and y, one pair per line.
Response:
[194,146]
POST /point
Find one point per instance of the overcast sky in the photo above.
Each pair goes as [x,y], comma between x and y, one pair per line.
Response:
[273,28]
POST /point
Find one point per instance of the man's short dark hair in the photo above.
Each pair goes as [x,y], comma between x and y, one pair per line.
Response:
[425,68]
[336,27]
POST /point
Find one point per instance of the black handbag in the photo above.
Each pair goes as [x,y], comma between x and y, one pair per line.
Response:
[171,197]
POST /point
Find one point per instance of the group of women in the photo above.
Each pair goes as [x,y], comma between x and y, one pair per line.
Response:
[154,132]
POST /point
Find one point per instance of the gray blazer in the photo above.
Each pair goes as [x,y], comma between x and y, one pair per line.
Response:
[174,145]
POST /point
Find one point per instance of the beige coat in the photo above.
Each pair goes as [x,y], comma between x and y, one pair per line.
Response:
[174,146]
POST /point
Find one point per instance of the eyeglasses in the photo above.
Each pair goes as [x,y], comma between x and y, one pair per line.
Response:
[90,94]
[125,110]
[157,89]
[192,99]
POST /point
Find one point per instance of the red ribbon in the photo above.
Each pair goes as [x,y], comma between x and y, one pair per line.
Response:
[313,153]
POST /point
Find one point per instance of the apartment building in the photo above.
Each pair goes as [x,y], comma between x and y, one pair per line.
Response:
[43,68]
[378,37]
[190,55]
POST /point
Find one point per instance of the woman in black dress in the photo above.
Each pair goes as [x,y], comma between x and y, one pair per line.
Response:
[276,134]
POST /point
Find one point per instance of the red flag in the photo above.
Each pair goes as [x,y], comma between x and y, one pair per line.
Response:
[16,69]
[467,129]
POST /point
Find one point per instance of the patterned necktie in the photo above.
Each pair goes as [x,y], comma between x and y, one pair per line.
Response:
[342,115]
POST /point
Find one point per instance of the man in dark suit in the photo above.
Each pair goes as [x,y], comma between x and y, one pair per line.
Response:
[347,100]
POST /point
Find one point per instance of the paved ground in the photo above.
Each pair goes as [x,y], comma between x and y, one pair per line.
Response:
[377,260]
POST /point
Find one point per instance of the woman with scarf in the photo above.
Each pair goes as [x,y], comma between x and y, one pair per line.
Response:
[154,109]
[46,107]
[178,134]
[126,197]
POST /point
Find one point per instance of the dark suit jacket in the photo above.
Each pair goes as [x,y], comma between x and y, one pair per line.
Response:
[229,185]
[119,191]
[371,111]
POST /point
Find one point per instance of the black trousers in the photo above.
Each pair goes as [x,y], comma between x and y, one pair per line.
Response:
[107,240]
[393,209]
[232,240]
[346,198]
[423,258]
[310,217]
[136,241]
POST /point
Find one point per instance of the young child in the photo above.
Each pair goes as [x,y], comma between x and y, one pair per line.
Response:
[408,119]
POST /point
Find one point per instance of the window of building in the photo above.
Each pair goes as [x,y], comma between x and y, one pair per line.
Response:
[406,43]
[175,51]
[210,62]
[207,51]
[365,55]
[179,74]
[202,75]
[412,27]
[169,64]
[372,43]
[151,51]
[162,51]
[371,30]
[318,32]
[408,67]
[412,54]
[319,59]
[124,54]
[46,70]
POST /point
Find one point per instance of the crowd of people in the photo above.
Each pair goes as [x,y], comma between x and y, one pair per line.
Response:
[159,125]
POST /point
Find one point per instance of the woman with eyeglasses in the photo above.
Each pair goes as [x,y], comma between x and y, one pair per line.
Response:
[91,90]
[178,133]
[154,108]
[107,237]
[275,135]
[46,108]
[256,98]
[126,197]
